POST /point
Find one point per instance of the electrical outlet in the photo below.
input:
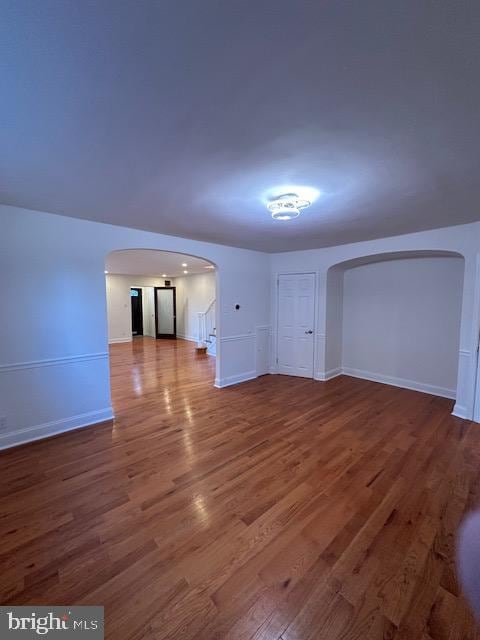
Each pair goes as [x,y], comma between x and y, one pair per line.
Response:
[3,423]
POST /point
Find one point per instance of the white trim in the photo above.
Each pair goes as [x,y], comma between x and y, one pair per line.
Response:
[189,338]
[460,412]
[121,340]
[466,364]
[265,329]
[400,382]
[316,281]
[328,375]
[48,429]
[244,336]
[242,377]
[51,362]
[210,305]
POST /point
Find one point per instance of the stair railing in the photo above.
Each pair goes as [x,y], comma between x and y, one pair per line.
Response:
[206,325]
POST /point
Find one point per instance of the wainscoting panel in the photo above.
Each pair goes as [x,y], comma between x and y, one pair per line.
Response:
[238,359]
[263,339]
[465,363]
[320,348]
[66,393]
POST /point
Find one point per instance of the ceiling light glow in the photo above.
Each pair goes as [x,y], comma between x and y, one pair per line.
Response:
[287,206]
[306,193]
[185,272]
[164,275]
[184,264]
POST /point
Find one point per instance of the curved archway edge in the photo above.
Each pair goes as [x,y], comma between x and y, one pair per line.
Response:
[469,330]
[187,254]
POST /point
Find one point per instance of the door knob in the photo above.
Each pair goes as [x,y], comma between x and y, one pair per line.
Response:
[309,331]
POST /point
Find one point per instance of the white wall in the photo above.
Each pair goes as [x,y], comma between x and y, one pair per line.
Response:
[194,294]
[401,322]
[333,323]
[54,372]
[119,310]
[461,239]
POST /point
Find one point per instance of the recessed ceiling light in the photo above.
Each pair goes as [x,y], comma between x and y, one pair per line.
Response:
[105,272]
[184,264]
[185,272]
[287,206]
[164,275]
[209,266]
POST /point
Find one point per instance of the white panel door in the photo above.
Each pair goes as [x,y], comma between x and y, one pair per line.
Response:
[296,315]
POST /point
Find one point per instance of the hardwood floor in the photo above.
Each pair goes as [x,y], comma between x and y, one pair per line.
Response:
[278,508]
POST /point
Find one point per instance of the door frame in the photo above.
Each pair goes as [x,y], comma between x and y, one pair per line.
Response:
[166,335]
[140,295]
[315,316]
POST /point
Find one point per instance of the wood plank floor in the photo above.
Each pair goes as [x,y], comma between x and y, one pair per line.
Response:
[281,508]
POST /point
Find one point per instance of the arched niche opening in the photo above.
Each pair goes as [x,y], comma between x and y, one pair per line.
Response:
[395,318]
[189,286]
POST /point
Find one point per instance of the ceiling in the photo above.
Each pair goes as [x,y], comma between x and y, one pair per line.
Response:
[148,262]
[178,117]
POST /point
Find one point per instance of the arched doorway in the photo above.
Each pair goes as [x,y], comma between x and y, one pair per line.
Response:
[395,318]
[163,324]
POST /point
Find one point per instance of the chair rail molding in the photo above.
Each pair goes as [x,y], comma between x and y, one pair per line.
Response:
[42,413]
[52,362]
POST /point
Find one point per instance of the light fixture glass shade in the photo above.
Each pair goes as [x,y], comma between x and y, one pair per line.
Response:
[285,214]
[287,206]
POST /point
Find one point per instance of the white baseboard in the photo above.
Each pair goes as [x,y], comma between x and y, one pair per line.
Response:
[400,382]
[227,382]
[460,412]
[328,375]
[119,340]
[189,338]
[40,431]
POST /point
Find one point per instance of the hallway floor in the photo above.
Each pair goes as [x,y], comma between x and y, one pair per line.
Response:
[278,508]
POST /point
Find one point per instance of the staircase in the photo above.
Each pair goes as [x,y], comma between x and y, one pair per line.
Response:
[207,333]
[212,342]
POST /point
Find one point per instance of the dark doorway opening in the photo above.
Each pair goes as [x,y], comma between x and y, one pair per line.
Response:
[165,312]
[137,311]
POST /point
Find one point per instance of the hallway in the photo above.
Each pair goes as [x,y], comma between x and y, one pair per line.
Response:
[166,371]
[279,508]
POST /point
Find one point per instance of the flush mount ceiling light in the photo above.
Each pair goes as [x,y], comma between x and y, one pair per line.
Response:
[287,206]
